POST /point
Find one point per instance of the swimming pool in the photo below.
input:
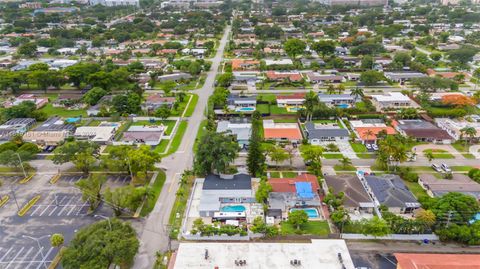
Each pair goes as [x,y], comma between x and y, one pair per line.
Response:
[233,208]
[311,212]
[343,106]
[294,109]
[245,109]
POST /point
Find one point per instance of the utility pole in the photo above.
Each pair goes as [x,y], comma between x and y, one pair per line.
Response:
[449,217]
[21,164]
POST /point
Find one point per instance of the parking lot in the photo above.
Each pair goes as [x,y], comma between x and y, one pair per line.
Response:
[60,205]
[8,180]
[120,179]
[26,257]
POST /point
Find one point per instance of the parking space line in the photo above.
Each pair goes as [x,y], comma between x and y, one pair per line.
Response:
[46,208]
[46,256]
[37,207]
[33,259]
[65,206]
[20,262]
[6,253]
[71,210]
[14,258]
[51,212]
[60,202]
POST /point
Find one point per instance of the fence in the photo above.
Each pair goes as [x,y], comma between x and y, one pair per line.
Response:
[398,237]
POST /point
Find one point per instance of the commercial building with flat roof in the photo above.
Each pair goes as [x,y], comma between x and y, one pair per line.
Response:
[324,254]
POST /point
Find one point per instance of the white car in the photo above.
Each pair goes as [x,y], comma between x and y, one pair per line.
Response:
[437,168]
[446,168]
[368,146]
[375,147]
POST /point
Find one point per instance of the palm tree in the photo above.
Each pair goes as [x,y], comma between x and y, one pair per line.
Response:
[469,132]
[476,75]
[331,89]
[340,89]
[357,92]
[429,156]
[311,101]
[346,162]
[369,133]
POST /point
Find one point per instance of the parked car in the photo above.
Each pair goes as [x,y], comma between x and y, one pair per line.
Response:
[446,168]
[368,146]
[375,147]
[437,167]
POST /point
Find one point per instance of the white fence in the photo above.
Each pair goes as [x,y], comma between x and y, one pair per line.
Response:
[399,237]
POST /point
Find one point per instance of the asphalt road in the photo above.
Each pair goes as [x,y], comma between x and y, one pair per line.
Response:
[154,236]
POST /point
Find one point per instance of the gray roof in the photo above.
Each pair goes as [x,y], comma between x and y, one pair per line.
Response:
[19,121]
[351,186]
[234,97]
[391,191]
[55,124]
[238,182]
[327,97]
[324,131]
[240,132]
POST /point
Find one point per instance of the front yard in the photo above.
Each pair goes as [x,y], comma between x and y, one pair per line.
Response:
[312,227]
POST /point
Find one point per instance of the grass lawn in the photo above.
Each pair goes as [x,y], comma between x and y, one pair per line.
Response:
[191,107]
[416,189]
[289,174]
[361,151]
[285,120]
[312,227]
[332,155]
[58,111]
[339,167]
[267,97]
[460,147]
[275,174]
[461,168]
[178,209]
[177,139]
[263,108]
[439,153]
[274,109]
[156,189]
[200,134]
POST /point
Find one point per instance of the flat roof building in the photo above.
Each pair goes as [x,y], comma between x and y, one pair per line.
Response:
[325,254]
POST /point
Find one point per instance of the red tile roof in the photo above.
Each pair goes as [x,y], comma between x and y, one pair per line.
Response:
[437,261]
[273,75]
[362,132]
[292,96]
[279,133]
[288,184]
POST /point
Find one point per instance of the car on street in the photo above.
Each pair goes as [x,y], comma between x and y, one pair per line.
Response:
[446,168]
[437,167]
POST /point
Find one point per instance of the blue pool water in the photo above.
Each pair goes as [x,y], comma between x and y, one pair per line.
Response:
[342,106]
[294,109]
[233,208]
[72,120]
[311,212]
[245,109]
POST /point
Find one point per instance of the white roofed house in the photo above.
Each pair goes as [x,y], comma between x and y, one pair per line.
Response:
[99,134]
[241,130]
[392,100]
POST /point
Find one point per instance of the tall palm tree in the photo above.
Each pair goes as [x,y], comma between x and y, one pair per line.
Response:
[369,133]
[340,89]
[469,132]
[356,93]
[331,89]
[346,162]
[311,101]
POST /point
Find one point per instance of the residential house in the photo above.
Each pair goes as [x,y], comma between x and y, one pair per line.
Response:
[98,134]
[148,135]
[245,65]
[174,77]
[281,76]
[459,183]
[293,193]
[291,100]
[38,101]
[454,127]
[356,199]
[280,62]
[422,131]
[306,62]
[317,78]
[392,100]
[15,126]
[281,131]
[367,130]
[338,100]
[240,129]
[103,102]
[155,101]
[389,190]
[242,103]
[317,133]
[69,101]
[50,133]
[402,77]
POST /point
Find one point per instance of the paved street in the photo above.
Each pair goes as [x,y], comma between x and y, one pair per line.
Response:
[154,236]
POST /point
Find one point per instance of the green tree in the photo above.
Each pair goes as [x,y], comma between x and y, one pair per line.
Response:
[298,218]
[367,62]
[123,198]
[83,154]
[98,246]
[346,162]
[371,77]
[225,79]
[294,47]
[455,207]
[311,101]
[94,95]
[255,157]
[356,93]
[91,189]
[263,190]
[324,47]
[313,157]
[163,112]
[426,216]
[56,240]
[215,153]
[278,155]
[375,226]
[142,160]
[27,49]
